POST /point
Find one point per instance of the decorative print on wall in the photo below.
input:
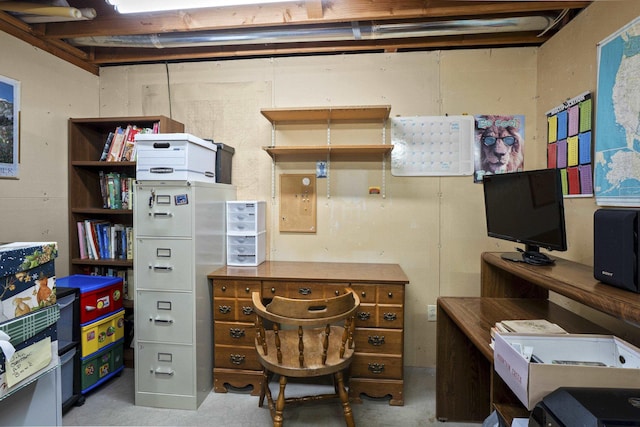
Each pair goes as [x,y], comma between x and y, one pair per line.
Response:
[499,144]
[617,135]
[569,144]
[9,129]
[432,146]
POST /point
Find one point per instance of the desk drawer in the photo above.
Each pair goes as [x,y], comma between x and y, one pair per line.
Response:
[370,340]
[301,289]
[234,333]
[236,357]
[376,366]
[380,316]
[235,288]
[233,309]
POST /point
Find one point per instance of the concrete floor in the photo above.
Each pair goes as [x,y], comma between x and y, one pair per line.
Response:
[113,404]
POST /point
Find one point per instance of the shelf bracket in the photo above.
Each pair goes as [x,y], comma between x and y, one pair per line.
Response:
[273,163]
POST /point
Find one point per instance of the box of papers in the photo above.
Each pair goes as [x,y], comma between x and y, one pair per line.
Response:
[535,365]
[27,278]
[175,157]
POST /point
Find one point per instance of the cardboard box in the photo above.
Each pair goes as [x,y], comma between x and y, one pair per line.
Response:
[27,278]
[175,157]
[33,357]
[530,382]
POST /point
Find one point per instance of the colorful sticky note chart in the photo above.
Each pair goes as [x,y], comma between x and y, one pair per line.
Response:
[552,125]
[585,115]
[562,125]
[561,155]
[572,151]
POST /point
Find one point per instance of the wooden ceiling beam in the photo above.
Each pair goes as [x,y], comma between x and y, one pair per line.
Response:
[22,31]
[140,55]
[296,13]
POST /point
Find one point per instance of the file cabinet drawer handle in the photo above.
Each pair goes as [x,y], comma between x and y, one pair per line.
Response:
[159,372]
[161,268]
[224,309]
[237,359]
[162,214]
[236,333]
[376,368]
[247,310]
[161,321]
[376,340]
[390,317]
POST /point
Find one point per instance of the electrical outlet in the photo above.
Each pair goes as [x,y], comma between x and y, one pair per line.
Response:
[431,313]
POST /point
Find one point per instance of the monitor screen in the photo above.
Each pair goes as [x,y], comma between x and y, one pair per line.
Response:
[526,207]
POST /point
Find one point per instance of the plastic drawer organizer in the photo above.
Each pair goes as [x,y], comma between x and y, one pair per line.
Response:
[246,233]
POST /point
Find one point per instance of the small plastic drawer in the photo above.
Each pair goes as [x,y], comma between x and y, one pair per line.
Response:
[246,217]
[68,368]
[101,366]
[252,250]
[102,333]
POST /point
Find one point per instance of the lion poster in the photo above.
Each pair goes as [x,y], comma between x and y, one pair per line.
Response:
[498,145]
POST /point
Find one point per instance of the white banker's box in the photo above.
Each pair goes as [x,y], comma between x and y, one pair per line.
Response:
[175,157]
[530,382]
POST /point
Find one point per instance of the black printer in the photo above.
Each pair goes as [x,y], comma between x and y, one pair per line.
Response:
[588,407]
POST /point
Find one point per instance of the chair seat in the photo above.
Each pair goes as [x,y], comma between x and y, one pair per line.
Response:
[313,365]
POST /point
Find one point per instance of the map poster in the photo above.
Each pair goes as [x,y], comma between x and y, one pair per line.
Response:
[617,136]
[569,144]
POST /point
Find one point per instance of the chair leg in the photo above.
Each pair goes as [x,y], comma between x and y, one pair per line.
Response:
[344,398]
[277,416]
[264,384]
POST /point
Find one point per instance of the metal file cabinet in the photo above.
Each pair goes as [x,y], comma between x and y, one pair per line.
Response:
[180,233]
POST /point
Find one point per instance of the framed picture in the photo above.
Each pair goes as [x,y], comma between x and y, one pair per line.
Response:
[9,127]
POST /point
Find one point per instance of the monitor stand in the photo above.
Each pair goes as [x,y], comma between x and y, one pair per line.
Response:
[531,257]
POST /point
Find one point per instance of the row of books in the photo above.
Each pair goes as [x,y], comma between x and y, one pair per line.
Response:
[120,145]
[99,239]
[117,190]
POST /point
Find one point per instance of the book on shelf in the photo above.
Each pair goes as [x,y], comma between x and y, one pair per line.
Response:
[82,240]
[128,151]
[107,146]
[115,151]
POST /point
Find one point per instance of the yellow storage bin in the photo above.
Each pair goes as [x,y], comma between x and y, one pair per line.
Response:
[102,332]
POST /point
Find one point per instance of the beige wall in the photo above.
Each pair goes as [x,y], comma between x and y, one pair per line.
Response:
[567,66]
[34,207]
[433,227]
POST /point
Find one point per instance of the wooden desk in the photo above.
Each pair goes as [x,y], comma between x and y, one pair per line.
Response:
[377,368]
[467,388]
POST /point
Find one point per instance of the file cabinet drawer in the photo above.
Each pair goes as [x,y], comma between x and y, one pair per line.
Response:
[164,316]
[164,264]
[165,368]
[163,211]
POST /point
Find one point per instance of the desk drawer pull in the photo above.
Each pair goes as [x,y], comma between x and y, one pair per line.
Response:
[224,309]
[390,294]
[390,317]
[247,310]
[376,340]
[236,333]
[237,359]
[304,291]
[364,315]
[247,290]
[376,368]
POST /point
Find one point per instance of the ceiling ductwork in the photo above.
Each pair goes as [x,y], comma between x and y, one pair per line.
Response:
[320,33]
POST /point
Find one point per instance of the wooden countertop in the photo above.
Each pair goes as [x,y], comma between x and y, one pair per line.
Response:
[316,271]
[475,316]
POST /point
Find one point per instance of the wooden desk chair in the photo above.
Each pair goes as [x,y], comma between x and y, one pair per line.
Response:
[309,338]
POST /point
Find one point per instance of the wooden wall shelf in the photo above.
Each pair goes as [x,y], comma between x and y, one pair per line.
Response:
[376,149]
[363,113]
